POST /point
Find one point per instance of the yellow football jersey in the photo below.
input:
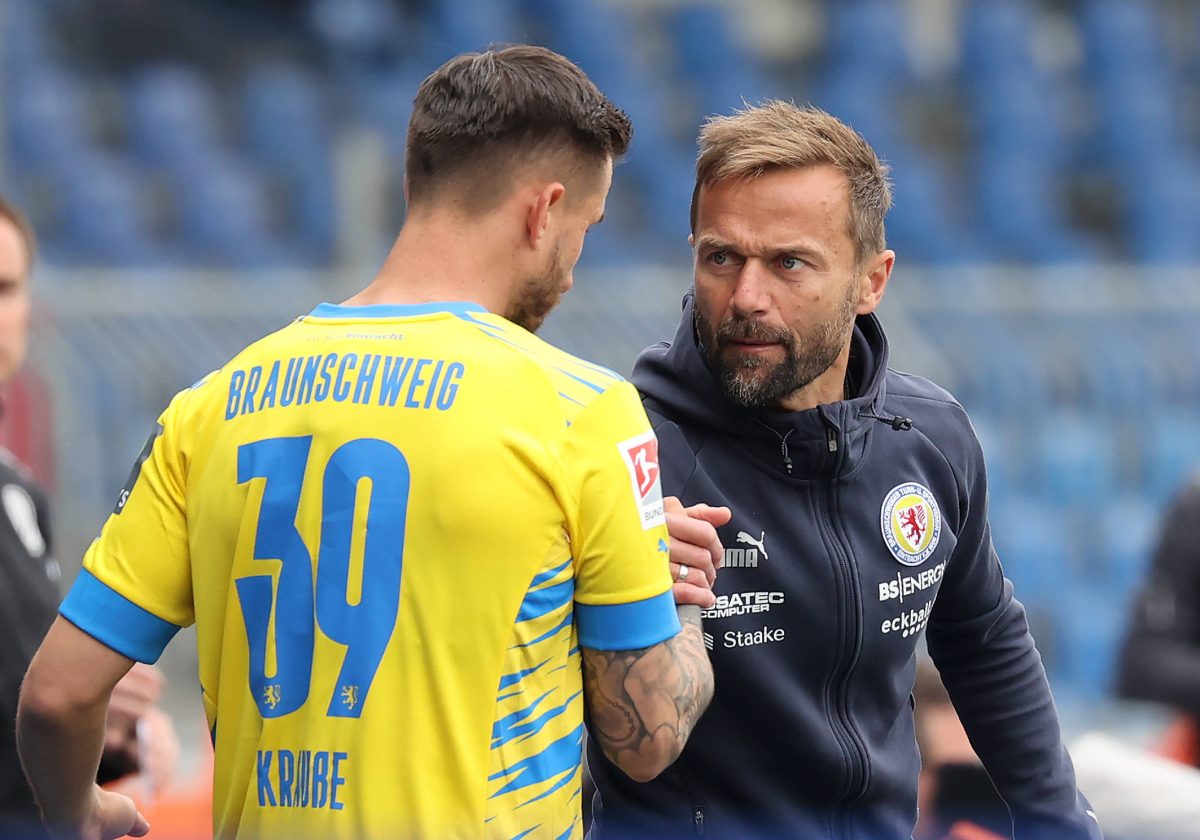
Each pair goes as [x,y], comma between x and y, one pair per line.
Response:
[394,527]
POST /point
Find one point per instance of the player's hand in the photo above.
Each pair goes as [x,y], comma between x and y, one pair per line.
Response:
[696,548]
[113,815]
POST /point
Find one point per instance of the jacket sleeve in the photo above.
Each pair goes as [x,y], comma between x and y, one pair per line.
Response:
[1160,660]
[979,639]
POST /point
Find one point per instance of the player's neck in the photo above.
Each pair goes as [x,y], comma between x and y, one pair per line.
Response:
[435,260]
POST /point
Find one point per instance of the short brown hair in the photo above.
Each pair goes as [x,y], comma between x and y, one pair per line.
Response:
[480,113]
[783,135]
[20,221]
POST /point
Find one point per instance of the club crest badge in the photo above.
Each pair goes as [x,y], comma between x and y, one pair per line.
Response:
[911,523]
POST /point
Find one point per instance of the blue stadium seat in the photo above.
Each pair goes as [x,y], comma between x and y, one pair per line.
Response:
[1037,541]
[468,26]
[1033,537]
[1019,114]
[1076,458]
[47,121]
[1091,625]
[224,215]
[863,100]
[1170,447]
[1003,460]
[596,36]
[172,116]
[1139,117]
[1118,374]
[1162,211]
[867,36]
[995,371]
[1083,369]
[996,37]
[357,30]
[1123,539]
[923,225]
[25,42]
[287,128]
[104,214]
[285,118]
[613,245]
[383,100]
[666,183]
[702,30]
[1173,346]
[1121,33]
[1020,207]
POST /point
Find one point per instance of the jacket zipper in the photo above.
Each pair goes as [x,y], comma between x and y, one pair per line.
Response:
[847,737]
[698,819]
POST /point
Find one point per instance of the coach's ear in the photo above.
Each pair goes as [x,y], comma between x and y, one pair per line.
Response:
[873,281]
[545,203]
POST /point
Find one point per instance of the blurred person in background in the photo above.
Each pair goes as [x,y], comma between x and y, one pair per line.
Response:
[415,539]
[955,796]
[1160,659]
[859,504]
[138,735]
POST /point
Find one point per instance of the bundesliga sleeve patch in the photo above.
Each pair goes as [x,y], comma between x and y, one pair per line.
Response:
[641,460]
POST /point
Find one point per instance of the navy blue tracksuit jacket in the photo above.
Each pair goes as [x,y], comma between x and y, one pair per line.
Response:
[858,527]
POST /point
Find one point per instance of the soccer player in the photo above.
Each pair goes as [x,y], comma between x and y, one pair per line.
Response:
[414,538]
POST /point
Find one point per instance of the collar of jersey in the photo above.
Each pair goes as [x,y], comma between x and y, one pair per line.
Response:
[395,310]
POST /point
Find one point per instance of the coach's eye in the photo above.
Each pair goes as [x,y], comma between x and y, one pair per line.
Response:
[718,257]
[790,263]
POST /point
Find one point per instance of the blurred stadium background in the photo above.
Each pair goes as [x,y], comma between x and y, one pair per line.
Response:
[201,172]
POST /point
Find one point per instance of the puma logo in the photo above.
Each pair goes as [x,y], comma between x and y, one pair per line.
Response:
[745,538]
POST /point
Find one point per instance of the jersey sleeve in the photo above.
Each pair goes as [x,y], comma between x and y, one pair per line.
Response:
[135,591]
[618,534]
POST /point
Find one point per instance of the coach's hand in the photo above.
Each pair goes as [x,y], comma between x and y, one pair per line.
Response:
[696,550]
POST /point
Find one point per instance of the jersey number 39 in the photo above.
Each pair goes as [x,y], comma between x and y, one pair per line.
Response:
[365,627]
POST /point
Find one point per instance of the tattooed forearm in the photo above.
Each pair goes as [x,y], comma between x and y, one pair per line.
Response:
[644,703]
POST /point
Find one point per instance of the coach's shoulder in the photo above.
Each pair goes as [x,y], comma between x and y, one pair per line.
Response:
[932,408]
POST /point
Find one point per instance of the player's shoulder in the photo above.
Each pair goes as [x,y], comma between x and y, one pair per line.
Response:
[572,378]
[211,389]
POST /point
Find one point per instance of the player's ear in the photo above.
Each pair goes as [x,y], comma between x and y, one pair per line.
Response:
[540,211]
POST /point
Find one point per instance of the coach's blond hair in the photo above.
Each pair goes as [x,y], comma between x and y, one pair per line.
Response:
[781,135]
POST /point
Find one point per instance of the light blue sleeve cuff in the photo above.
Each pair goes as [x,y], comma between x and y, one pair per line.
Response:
[113,620]
[632,626]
